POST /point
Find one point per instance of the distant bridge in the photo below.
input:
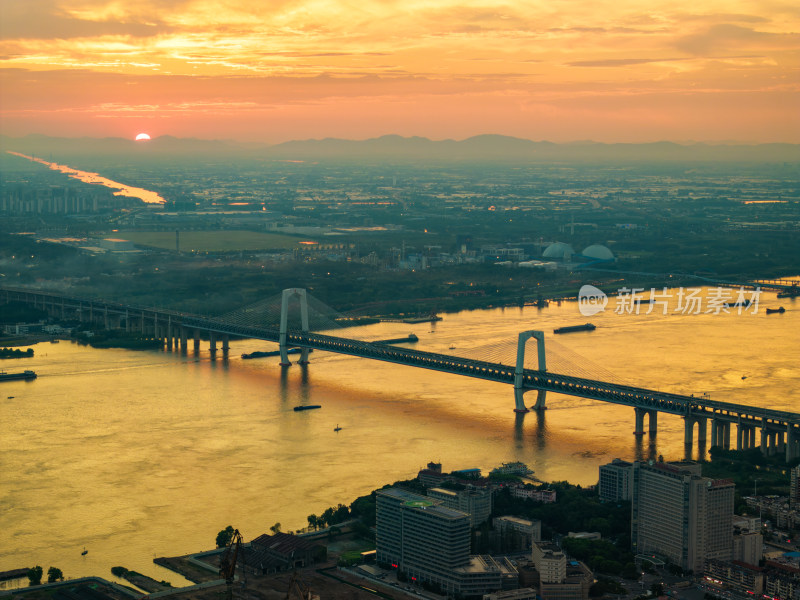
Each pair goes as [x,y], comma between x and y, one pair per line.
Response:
[779,430]
[790,287]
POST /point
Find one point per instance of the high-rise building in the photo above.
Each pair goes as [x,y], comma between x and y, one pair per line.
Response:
[550,561]
[514,533]
[430,543]
[559,578]
[615,481]
[680,515]
[476,502]
[794,487]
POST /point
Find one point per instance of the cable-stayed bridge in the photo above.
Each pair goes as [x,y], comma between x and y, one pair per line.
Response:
[276,320]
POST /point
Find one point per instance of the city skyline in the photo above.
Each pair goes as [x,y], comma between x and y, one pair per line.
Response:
[295,70]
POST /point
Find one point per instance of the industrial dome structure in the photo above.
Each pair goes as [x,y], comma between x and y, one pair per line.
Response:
[558,250]
[598,252]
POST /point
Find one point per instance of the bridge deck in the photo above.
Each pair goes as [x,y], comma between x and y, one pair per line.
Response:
[531,379]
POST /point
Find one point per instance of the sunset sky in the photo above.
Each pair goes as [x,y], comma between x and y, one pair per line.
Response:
[276,70]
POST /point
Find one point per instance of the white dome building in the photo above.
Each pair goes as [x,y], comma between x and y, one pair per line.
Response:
[558,251]
[598,252]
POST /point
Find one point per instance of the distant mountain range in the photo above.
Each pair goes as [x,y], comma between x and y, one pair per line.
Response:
[488,148]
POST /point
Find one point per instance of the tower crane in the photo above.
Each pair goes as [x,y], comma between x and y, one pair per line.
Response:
[227,564]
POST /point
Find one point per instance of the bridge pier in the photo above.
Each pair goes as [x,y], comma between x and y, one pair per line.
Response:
[638,428]
[688,430]
[212,338]
[791,443]
[184,339]
[196,341]
[225,344]
[519,370]
[746,438]
[652,421]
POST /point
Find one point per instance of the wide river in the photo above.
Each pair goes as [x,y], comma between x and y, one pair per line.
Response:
[140,454]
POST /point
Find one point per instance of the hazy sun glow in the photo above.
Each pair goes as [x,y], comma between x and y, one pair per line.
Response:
[142,136]
[563,70]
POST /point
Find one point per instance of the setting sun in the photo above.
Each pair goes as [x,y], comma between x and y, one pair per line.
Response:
[277,71]
[142,136]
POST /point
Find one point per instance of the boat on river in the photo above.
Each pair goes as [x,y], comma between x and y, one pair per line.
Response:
[409,339]
[262,354]
[306,407]
[571,328]
[26,374]
[740,304]
[512,468]
[771,311]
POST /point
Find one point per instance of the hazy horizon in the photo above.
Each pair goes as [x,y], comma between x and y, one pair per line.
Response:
[572,142]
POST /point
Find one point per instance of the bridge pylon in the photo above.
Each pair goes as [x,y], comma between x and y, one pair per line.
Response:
[285,297]
[519,389]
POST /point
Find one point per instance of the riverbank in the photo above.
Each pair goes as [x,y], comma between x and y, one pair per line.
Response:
[16,353]
[25,340]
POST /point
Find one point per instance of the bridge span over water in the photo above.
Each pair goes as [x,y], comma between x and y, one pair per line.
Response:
[778,431]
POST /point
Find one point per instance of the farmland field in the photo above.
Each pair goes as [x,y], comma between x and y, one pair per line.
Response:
[213,241]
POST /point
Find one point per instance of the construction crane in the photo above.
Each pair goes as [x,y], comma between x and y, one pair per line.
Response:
[227,564]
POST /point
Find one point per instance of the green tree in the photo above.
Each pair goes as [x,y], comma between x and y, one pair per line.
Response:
[275,528]
[54,574]
[312,521]
[327,516]
[342,513]
[225,536]
[35,575]
[629,571]
[118,571]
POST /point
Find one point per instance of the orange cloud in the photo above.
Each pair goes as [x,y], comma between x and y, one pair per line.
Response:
[272,69]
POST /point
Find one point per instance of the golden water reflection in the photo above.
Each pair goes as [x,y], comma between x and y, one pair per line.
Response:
[143,454]
[95,178]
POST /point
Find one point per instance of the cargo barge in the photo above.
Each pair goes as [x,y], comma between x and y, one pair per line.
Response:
[260,354]
[27,374]
[571,328]
[409,339]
